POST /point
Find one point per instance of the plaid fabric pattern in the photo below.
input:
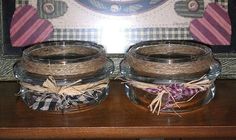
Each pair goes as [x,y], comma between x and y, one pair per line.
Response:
[223,2]
[55,102]
[132,35]
[142,34]
[22,2]
[76,34]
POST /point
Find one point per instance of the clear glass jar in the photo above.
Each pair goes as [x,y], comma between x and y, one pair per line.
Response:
[170,76]
[63,76]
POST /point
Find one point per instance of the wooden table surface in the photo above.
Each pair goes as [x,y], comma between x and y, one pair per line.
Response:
[116,117]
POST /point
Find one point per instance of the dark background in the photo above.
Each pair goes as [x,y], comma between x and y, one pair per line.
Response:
[8,10]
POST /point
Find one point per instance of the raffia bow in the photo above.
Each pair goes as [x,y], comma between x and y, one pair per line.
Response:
[50,86]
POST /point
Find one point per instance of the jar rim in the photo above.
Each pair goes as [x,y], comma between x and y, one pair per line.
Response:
[98,51]
[170,46]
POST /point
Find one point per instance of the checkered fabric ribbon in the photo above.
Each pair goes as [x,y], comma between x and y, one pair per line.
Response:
[52,97]
[56,102]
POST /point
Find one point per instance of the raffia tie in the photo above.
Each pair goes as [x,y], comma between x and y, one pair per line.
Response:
[50,86]
[194,87]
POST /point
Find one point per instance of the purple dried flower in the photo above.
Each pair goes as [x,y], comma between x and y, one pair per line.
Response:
[153,90]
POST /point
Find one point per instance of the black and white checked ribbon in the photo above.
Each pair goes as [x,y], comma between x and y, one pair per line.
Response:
[57,102]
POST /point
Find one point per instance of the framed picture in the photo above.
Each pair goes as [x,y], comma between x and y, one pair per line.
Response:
[116,25]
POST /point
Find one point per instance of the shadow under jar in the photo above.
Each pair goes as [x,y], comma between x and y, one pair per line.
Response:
[63,76]
[170,76]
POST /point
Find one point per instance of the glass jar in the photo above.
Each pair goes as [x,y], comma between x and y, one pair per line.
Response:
[63,76]
[170,76]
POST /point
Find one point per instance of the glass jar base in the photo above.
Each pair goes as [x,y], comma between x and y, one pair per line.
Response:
[143,100]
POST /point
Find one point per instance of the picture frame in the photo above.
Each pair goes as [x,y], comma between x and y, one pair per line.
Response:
[9,55]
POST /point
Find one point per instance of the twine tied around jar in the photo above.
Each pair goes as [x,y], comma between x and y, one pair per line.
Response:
[173,91]
[169,59]
[55,97]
